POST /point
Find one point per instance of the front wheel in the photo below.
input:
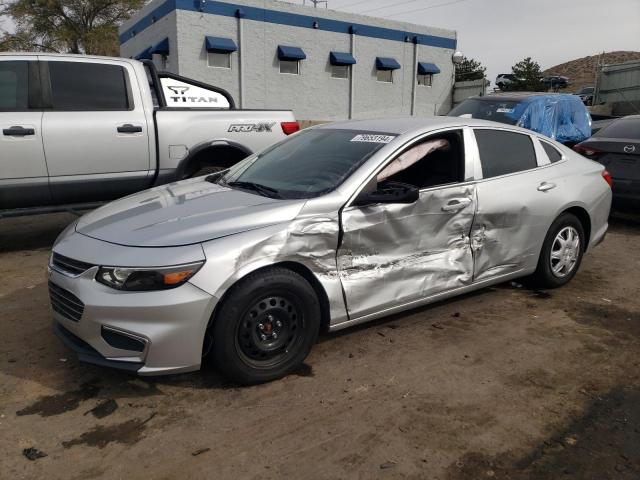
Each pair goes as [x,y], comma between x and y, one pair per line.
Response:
[265,327]
[561,253]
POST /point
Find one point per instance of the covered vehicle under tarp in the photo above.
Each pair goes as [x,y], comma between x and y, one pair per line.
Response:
[562,117]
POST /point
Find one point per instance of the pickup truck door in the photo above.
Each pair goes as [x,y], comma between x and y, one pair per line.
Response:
[96,134]
[23,170]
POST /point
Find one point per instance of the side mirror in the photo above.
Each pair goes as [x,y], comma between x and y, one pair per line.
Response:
[389,192]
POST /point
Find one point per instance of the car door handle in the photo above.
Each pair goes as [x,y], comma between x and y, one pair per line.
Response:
[128,128]
[546,186]
[456,204]
[18,131]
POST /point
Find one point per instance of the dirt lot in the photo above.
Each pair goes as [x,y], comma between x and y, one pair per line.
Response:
[506,383]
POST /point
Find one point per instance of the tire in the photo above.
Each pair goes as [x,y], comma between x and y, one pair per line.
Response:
[556,272]
[266,327]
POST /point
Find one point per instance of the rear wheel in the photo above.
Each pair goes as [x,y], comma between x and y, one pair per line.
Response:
[561,253]
[266,326]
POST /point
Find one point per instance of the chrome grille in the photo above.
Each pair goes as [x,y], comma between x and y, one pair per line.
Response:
[65,303]
[69,265]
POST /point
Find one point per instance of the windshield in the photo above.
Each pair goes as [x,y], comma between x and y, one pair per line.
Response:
[503,111]
[306,165]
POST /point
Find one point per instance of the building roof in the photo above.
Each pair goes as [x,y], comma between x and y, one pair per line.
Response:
[293,15]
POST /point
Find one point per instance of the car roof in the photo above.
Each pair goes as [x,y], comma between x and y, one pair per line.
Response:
[513,95]
[401,125]
[627,117]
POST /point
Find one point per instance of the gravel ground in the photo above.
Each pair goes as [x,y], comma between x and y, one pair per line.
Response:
[505,383]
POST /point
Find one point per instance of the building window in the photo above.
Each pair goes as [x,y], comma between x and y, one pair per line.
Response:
[219,60]
[164,61]
[291,67]
[340,71]
[426,79]
[385,76]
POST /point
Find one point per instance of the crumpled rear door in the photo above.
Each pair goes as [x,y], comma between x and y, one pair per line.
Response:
[396,254]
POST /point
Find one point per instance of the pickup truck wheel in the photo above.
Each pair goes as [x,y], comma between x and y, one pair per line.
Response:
[265,327]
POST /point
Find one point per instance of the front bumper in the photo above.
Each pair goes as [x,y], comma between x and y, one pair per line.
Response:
[155,332]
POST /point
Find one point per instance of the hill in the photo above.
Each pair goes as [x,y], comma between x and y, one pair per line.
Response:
[582,71]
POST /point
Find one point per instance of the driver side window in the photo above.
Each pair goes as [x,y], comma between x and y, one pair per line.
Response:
[436,160]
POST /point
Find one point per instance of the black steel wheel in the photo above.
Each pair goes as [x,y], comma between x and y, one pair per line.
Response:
[265,327]
[269,329]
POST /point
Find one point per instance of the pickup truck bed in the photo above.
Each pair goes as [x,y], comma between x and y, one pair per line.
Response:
[79,130]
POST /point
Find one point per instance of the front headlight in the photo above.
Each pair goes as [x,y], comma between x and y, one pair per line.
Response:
[145,279]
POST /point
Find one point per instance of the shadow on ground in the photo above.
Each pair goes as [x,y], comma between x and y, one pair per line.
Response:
[603,443]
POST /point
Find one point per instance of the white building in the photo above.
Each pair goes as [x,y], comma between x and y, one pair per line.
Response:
[323,64]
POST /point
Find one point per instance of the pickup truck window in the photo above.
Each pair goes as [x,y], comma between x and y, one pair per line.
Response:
[14,93]
[87,87]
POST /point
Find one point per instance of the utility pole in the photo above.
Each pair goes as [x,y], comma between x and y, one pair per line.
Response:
[316,2]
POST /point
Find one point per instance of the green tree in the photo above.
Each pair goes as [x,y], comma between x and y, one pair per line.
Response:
[528,75]
[469,69]
[66,26]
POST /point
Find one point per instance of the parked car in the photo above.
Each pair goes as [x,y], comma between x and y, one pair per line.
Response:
[555,81]
[617,147]
[504,80]
[561,117]
[80,129]
[337,225]
[586,95]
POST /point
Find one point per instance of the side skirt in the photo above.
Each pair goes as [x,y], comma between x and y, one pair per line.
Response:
[427,300]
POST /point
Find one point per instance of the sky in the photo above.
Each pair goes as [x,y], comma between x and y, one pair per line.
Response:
[500,33]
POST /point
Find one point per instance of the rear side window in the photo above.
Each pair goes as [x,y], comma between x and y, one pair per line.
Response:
[14,86]
[77,86]
[552,152]
[504,152]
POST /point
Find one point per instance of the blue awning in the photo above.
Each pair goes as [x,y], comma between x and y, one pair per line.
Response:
[425,68]
[384,63]
[161,48]
[144,55]
[340,58]
[220,45]
[290,53]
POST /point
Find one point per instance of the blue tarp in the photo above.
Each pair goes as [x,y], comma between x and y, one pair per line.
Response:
[562,117]
[161,48]
[340,58]
[220,45]
[290,53]
[384,63]
[425,68]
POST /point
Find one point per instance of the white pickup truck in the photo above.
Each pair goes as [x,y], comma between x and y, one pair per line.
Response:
[80,130]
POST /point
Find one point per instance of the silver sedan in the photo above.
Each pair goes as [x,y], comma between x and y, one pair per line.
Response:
[337,225]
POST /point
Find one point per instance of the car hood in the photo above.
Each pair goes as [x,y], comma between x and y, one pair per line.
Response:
[183,213]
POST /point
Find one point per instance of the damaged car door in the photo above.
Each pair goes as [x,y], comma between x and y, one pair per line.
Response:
[395,253]
[520,191]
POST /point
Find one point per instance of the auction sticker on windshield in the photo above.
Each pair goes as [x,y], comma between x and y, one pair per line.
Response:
[368,138]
